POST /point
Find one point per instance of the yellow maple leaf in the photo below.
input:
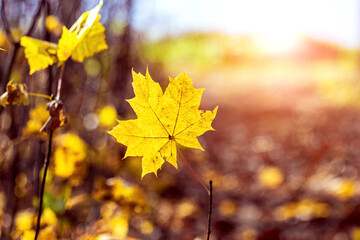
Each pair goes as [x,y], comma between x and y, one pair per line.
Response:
[85,38]
[40,54]
[164,119]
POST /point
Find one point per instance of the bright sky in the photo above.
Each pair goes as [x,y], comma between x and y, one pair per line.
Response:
[279,20]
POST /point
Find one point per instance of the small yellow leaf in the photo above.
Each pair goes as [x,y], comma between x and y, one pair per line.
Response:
[53,25]
[38,117]
[47,233]
[16,94]
[304,209]
[119,226]
[355,234]
[57,116]
[164,119]
[48,217]
[24,220]
[227,207]
[85,38]
[28,235]
[270,177]
[40,54]
[146,228]
[69,154]
[346,189]
[3,39]
[107,116]
[93,42]
[185,208]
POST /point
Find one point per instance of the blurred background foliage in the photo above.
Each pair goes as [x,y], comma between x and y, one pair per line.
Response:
[285,158]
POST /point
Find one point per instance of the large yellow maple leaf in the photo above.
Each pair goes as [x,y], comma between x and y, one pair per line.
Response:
[164,120]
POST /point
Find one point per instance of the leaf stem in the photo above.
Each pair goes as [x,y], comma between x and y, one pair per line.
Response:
[40,95]
[60,82]
[210,211]
[194,173]
[46,166]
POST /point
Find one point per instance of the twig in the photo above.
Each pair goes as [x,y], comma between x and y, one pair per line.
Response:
[60,82]
[210,211]
[47,160]
[194,173]
[46,166]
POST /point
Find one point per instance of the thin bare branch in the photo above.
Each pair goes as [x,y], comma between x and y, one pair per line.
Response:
[210,211]
[42,190]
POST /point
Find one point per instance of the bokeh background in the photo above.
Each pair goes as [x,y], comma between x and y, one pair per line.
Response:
[285,156]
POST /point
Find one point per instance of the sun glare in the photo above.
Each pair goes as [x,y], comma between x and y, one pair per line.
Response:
[277,43]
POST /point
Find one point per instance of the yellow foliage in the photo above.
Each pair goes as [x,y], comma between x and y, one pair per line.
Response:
[355,233]
[38,117]
[227,207]
[40,54]
[67,44]
[164,119]
[2,201]
[304,209]
[89,237]
[126,192]
[249,234]
[3,38]
[53,25]
[16,93]
[270,177]
[47,233]
[28,235]
[24,220]
[120,191]
[119,226]
[114,221]
[108,209]
[146,228]
[85,38]
[69,155]
[345,189]
[48,217]
[92,67]
[185,209]
[107,116]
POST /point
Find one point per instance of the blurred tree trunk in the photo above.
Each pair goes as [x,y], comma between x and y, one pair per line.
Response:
[121,68]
